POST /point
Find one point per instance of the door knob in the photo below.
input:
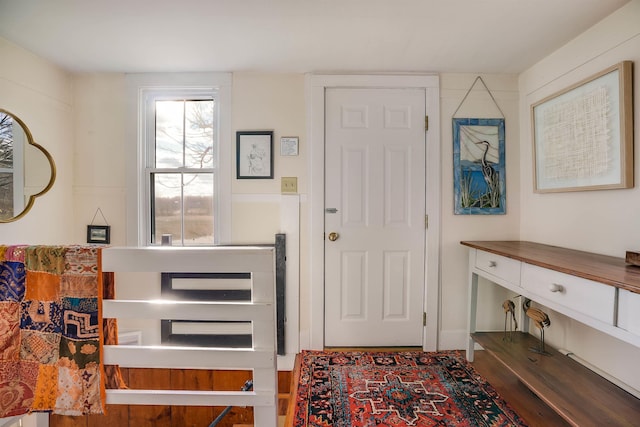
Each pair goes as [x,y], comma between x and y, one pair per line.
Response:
[333,236]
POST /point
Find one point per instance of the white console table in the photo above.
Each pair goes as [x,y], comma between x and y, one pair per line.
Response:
[597,290]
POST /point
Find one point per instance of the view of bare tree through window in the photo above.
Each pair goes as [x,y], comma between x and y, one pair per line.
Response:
[182,180]
[6,166]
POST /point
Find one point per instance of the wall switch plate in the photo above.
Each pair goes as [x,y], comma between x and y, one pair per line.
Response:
[289,184]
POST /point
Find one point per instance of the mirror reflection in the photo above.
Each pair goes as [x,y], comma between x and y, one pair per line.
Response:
[27,170]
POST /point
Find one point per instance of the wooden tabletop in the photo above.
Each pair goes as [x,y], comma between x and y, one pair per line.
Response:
[600,268]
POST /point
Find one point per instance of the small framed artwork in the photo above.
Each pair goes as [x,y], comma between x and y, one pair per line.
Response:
[479,166]
[583,135]
[99,234]
[254,155]
[289,146]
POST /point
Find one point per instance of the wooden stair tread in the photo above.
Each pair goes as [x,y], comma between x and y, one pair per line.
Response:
[281,419]
[293,390]
[283,403]
[579,395]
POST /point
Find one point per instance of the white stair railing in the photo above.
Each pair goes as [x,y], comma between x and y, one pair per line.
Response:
[261,358]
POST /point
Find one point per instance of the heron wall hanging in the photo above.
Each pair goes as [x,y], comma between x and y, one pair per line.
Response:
[479,162]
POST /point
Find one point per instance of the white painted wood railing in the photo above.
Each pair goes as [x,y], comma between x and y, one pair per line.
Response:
[261,358]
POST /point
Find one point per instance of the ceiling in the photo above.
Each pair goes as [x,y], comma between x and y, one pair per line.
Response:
[488,36]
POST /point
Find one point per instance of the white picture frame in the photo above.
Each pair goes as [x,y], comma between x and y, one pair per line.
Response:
[289,146]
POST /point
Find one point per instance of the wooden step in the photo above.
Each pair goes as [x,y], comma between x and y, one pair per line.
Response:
[283,404]
[281,419]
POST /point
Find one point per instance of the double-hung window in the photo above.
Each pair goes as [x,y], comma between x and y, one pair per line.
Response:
[180,172]
[181,177]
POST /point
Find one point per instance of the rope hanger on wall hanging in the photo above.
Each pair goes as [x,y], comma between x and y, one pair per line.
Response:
[479,78]
[101,214]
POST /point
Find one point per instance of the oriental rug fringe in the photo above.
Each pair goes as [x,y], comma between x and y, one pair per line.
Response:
[358,389]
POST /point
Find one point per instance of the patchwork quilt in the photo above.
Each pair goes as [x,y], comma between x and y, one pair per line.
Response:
[51,330]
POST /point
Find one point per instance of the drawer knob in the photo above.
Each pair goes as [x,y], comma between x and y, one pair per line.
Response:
[554,287]
[492,263]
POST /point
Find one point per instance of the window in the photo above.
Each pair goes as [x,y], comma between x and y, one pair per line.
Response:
[183,176]
[181,168]
[11,167]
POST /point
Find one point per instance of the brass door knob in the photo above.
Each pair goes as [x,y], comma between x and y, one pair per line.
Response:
[333,236]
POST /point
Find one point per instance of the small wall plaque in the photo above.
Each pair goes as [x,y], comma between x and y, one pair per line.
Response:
[289,146]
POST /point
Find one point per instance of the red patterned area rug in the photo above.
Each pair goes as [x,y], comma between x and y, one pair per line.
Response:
[358,389]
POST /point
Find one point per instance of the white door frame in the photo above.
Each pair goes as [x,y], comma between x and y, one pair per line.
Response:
[315,100]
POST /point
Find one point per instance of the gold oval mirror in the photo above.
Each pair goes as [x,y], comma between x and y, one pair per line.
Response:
[27,170]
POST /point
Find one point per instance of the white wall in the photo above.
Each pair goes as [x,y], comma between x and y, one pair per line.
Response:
[454,282]
[275,101]
[99,154]
[605,221]
[266,102]
[40,94]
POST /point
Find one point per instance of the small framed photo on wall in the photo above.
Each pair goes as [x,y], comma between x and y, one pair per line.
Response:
[254,155]
[98,234]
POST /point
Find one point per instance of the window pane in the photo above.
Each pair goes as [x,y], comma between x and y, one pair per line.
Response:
[182,159]
[199,134]
[6,195]
[6,141]
[169,134]
[167,210]
[197,193]
[198,209]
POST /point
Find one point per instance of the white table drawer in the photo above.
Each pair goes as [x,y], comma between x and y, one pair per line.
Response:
[629,311]
[502,267]
[584,296]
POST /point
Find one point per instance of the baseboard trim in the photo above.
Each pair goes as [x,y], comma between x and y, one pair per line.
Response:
[453,340]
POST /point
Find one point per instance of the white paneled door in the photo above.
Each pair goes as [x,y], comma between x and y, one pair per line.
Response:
[374,217]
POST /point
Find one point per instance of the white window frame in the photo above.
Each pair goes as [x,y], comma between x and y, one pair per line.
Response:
[139,86]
